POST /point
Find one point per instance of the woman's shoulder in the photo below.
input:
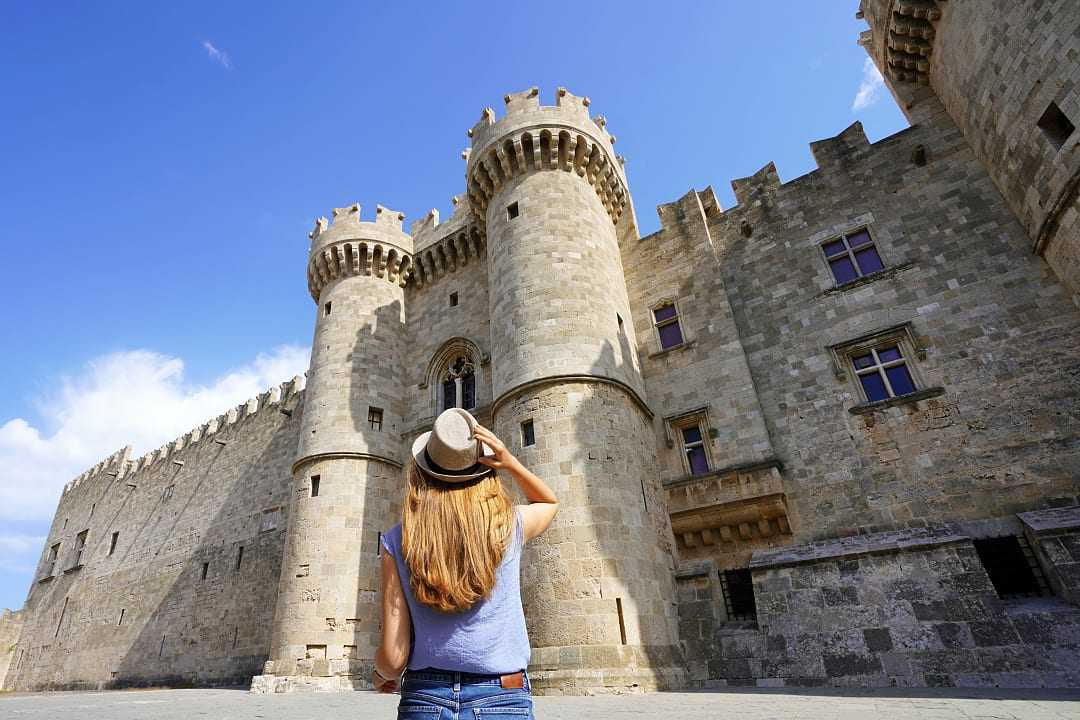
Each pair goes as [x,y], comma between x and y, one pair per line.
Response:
[391,539]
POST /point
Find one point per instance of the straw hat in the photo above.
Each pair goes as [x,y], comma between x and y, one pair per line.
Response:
[449,451]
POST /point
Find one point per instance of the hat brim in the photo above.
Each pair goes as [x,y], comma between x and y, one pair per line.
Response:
[471,473]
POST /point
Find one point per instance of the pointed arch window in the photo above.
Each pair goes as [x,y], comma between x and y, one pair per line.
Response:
[459,384]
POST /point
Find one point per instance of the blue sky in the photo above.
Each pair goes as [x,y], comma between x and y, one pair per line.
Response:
[164,163]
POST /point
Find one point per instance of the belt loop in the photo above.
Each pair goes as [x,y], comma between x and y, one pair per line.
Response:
[457,682]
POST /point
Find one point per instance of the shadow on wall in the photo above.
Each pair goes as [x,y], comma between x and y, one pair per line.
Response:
[599,586]
[213,608]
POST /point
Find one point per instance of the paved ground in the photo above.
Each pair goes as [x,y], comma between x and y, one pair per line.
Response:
[723,705]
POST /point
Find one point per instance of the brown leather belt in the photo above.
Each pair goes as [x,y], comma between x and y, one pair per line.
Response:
[513,680]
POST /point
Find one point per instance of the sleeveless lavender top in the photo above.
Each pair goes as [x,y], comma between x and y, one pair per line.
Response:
[490,637]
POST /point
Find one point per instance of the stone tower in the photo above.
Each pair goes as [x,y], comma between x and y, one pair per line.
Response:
[598,588]
[346,478]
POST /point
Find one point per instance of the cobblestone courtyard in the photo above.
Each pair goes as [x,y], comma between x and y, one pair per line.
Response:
[744,704]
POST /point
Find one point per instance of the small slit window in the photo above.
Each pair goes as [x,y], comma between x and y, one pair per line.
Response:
[205,570]
[112,542]
[239,557]
[737,587]
[528,434]
[1014,572]
[1056,126]
[374,418]
[668,330]
[315,485]
[453,299]
[512,211]
[852,256]
[326,308]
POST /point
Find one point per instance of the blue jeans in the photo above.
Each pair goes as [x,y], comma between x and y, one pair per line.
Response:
[432,694]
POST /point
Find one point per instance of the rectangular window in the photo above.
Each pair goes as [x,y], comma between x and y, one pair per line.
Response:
[314,486]
[326,308]
[205,570]
[120,621]
[239,557]
[737,587]
[512,211]
[1056,126]
[93,507]
[852,256]
[453,299]
[693,443]
[468,391]
[883,372]
[374,418]
[80,548]
[1012,567]
[167,493]
[528,434]
[54,554]
[668,330]
[112,542]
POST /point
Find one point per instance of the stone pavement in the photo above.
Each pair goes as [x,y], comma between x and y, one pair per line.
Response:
[826,704]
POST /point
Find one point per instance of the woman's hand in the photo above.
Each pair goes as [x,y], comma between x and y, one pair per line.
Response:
[502,459]
[382,684]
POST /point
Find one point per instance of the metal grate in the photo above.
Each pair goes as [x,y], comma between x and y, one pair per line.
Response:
[737,587]
[1011,564]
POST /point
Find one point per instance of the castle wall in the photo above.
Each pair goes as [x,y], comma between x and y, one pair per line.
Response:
[144,614]
[996,66]
[433,323]
[11,623]
[994,339]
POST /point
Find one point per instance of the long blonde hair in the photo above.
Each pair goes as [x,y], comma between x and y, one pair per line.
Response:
[454,537]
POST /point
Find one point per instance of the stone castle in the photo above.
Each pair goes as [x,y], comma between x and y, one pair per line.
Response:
[828,436]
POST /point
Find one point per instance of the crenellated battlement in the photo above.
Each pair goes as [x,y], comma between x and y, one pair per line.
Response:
[350,246]
[121,465]
[532,137]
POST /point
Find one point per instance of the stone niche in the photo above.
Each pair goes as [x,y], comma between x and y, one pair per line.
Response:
[728,511]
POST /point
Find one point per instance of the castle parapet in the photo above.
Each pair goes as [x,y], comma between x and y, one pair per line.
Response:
[531,138]
[349,246]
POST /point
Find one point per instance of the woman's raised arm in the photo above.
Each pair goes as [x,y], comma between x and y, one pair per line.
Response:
[543,504]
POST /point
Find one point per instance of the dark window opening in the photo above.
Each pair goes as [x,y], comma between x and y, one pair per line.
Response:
[737,587]
[619,318]
[112,542]
[512,211]
[374,418]
[453,299]
[459,385]
[852,256]
[54,554]
[622,622]
[528,433]
[205,569]
[239,557]
[326,308]
[120,621]
[1056,126]
[697,460]
[60,622]
[315,486]
[93,507]
[80,548]
[883,373]
[1012,567]
[666,319]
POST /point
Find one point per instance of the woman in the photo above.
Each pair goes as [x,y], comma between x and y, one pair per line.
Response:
[451,601]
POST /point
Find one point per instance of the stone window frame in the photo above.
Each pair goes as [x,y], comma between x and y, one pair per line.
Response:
[52,557]
[902,335]
[439,364]
[82,540]
[679,318]
[842,235]
[375,418]
[727,595]
[675,424]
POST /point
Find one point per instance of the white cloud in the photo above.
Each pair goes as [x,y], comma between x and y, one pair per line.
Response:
[870,88]
[138,398]
[18,553]
[219,56]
